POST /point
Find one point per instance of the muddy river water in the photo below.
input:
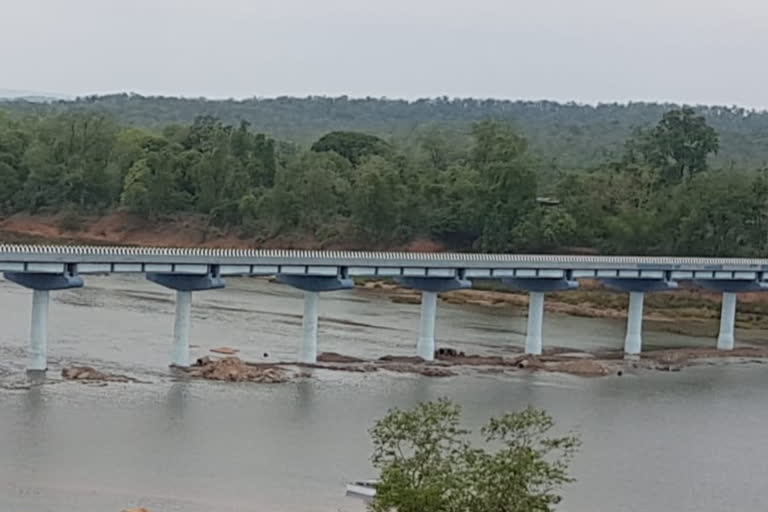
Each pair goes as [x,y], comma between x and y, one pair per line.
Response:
[690,441]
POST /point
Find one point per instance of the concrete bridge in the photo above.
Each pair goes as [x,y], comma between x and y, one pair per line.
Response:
[46,268]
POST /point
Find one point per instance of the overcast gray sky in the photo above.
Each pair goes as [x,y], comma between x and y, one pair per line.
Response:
[693,51]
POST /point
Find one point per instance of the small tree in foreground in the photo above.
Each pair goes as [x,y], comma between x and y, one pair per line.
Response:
[428,464]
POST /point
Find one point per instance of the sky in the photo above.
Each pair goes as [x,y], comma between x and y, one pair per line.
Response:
[683,51]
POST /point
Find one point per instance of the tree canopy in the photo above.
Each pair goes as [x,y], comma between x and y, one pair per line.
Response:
[428,463]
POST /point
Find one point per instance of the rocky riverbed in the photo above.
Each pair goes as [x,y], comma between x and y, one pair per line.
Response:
[449,363]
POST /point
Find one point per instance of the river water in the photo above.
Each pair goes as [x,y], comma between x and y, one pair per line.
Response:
[691,441]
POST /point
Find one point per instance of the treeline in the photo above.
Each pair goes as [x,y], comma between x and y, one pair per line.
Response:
[473,190]
[568,136]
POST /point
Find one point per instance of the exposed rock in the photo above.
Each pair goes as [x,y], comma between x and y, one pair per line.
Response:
[419,368]
[225,350]
[233,369]
[668,367]
[86,373]
[82,373]
[406,299]
[401,359]
[436,371]
[448,353]
[585,367]
[401,367]
[577,355]
[334,357]
[356,368]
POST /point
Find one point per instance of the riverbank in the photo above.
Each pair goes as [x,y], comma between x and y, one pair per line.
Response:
[688,310]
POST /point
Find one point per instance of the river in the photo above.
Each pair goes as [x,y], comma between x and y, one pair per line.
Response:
[690,441]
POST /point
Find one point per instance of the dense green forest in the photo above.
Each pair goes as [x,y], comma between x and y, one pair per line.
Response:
[659,191]
[568,136]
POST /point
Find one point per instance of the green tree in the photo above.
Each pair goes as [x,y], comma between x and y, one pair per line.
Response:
[507,184]
[374,203]
[353,146]
[724,216]
[678,145]
[427,462]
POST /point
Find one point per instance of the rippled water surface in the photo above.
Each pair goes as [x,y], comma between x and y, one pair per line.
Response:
[688,441]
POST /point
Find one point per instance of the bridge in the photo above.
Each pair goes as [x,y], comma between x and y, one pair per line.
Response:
[48,268]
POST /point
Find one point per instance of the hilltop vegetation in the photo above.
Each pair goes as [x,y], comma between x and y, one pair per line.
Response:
[470,185]
[569,136]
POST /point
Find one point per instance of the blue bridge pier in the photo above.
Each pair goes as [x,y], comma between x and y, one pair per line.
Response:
[48,268]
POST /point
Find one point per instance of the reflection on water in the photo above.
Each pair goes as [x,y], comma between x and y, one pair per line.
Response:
[688,441]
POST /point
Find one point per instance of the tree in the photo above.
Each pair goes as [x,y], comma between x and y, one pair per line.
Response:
[353,146]
[375,198]
[427,462]
[508,183]
[678,145]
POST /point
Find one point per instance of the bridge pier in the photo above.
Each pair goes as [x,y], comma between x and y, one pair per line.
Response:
[180,353]
[308,352]
[41,285]
[637,287]
[725,338]
[430,287]
[537,287]
[633,341]
[38,339]
[185,284]
[425,347]
[533,342]
[729,289]
[312,286]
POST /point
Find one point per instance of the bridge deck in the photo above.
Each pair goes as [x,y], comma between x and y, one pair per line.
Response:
[89,259]
[76,254]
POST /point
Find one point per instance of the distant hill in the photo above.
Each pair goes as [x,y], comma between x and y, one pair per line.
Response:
[570,135]
[32,96]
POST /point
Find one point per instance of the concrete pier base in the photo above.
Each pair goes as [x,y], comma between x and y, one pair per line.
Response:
[308,352]
[180,355]
[633,343]
[533,344]
[38,347]
[725,338]
[425,348]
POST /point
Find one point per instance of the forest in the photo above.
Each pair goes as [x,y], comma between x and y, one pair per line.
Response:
[472,183]
[567,135]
